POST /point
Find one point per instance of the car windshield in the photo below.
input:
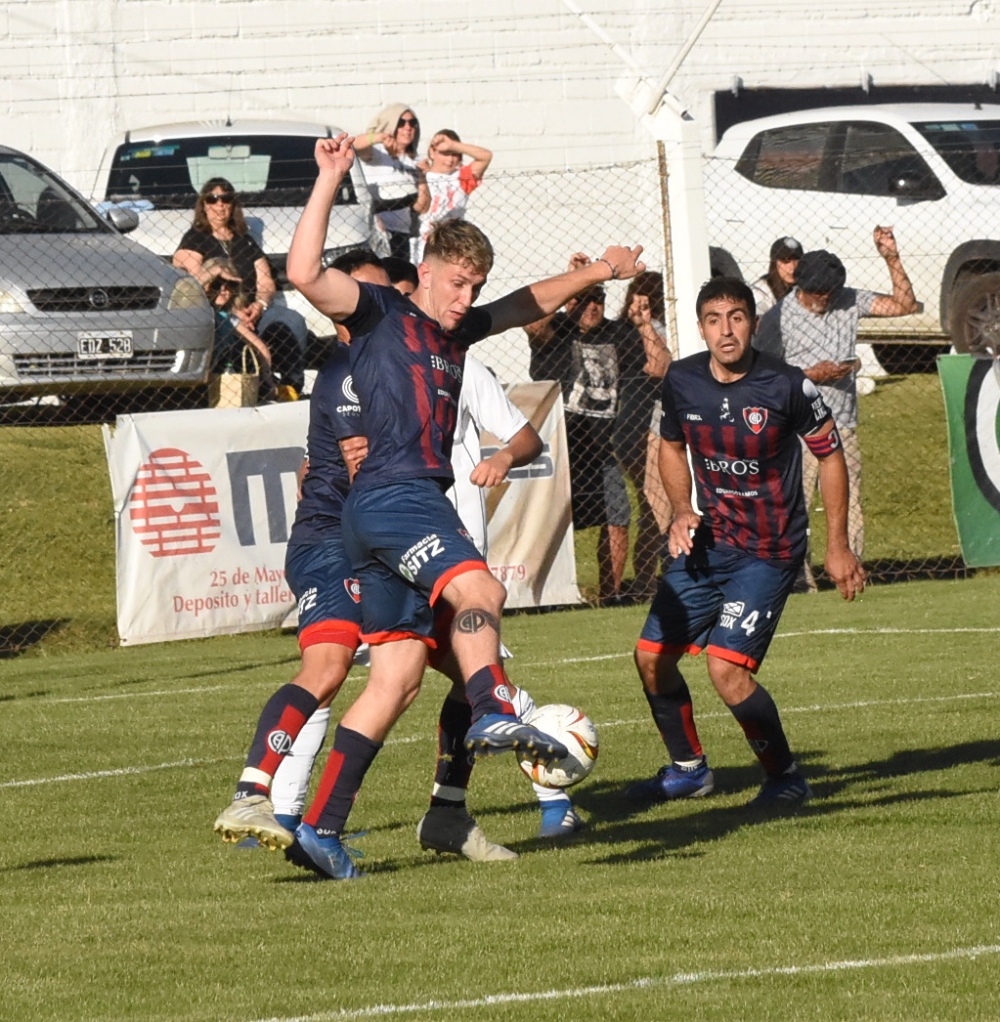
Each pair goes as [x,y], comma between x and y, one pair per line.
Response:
[970,148]
[33,201]
[266,170]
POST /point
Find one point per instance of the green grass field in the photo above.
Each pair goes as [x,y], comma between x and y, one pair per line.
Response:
[877,901]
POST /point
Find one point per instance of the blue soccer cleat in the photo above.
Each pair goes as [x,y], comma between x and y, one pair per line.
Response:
[559,819]
[786,791]
[674,782]
[498,732]
[327,854]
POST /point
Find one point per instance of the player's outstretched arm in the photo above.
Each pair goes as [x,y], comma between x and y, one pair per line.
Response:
[840,562]
[538,300]
[333,293]
[524,446]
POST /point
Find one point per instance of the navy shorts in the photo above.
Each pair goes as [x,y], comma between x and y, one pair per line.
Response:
[406,543]
[720,600]
[328,594]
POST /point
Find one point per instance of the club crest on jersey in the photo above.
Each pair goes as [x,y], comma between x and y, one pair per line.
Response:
[755,418]
[353,587]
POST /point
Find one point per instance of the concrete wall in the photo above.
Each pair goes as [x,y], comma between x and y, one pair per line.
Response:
[528,78]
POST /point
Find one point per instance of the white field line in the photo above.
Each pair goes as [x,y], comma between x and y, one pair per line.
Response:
[626,654]
[412,739]
[679,979]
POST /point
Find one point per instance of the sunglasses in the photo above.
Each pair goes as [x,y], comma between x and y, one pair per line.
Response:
[594,300]
[412,121]
[223,284]
[227,197]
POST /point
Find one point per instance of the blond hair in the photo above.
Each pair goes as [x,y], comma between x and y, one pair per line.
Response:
[458,241]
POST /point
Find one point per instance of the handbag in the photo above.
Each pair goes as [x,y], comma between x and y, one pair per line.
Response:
[234,388]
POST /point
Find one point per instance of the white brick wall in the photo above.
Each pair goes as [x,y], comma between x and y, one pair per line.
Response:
[525,77]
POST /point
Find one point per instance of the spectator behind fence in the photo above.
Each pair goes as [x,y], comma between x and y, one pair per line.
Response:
[643,358]
[580,348]
[780,277]
[815,327]
[224,289]
[398,186]
[220,231]
[449,181]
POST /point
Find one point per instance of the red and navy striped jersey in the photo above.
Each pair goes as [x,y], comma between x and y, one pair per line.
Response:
[743,438]
[334,415]
[407,373]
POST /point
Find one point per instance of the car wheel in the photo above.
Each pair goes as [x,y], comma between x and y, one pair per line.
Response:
[975,316]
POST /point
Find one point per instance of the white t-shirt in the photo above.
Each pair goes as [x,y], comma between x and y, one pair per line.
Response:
[449,197]
[482,404]
[391,177]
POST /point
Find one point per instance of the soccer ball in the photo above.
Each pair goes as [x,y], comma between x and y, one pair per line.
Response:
[576,731]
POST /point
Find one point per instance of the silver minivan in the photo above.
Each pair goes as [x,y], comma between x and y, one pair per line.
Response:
[82,309]
[158,171]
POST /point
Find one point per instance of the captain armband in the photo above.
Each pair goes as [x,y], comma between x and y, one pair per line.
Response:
[824,445]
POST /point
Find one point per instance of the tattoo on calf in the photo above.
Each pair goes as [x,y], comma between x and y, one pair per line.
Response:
[474,620]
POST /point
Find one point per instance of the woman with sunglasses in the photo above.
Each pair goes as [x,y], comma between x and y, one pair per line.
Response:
[388,149]
[220,232]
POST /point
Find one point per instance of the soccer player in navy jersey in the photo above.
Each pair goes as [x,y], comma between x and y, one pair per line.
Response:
[739,414]
[404,538]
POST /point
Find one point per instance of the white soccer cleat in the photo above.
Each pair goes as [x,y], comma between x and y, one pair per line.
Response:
[252,816]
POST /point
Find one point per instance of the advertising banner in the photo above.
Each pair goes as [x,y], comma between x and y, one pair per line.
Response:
[204,501]
[972,395]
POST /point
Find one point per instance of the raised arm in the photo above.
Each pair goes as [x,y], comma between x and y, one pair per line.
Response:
[479,155]
[902,301]
[538,300]
[333,293]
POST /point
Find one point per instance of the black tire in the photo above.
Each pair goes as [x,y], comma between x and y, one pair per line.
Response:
[975,316]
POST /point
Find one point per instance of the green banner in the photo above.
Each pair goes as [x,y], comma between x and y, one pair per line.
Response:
[972,397]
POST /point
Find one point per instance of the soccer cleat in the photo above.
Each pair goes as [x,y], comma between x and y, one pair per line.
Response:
[782,792]
[252,816]
[327,855]
[498,732]
[559,819]
[452,829]
[673,782]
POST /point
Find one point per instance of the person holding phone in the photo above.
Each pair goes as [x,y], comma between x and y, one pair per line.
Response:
[815,327]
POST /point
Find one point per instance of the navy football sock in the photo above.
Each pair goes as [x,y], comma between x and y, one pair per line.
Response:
[490,691]
[758,716]
[351,756]
[280,722]
[454,764]
[674,717]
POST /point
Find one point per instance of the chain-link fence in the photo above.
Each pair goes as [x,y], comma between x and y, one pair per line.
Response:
[93,325]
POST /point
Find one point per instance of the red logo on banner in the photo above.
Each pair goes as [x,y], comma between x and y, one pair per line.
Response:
[353,587]
[755,418]
[174,507]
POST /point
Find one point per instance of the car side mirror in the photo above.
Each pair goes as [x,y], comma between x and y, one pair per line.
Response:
[121,219]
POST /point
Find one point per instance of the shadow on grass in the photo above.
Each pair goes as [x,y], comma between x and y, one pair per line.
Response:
[615,821]
[19,638]
[78,860]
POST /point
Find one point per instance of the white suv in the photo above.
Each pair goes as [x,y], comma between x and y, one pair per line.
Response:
[828,176]
[158,171]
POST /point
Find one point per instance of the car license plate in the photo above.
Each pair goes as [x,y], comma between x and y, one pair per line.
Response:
[94,344]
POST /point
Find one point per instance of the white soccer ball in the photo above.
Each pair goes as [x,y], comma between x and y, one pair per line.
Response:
[576,731]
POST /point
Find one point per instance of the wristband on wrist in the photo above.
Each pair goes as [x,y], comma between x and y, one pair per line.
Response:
[614,271]
[263,305]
